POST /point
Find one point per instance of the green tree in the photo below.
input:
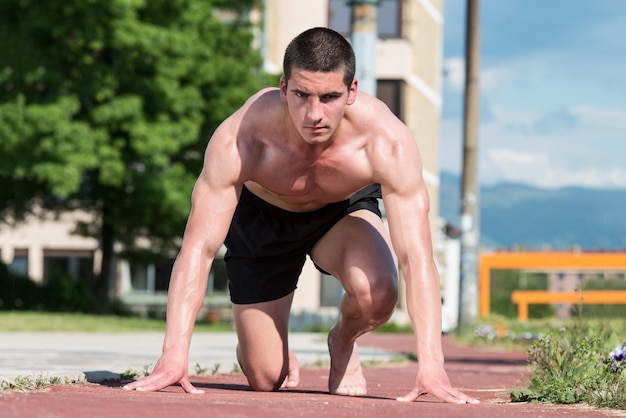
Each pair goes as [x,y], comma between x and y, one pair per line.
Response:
[602,310]
[107,105]
[504,282]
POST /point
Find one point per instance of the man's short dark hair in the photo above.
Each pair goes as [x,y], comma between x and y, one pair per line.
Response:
[320,49]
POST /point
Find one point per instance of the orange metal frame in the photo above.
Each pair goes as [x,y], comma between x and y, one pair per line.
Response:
[541,260]
[523,298]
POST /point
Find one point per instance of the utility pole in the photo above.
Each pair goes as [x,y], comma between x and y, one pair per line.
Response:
[470,231]
[364,35]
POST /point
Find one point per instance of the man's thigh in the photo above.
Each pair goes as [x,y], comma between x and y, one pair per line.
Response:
[262,330]
[357,248]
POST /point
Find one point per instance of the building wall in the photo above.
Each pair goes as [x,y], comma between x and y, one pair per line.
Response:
[283,21]
[39,234]
[424,30]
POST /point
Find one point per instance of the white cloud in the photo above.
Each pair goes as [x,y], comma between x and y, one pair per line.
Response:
[608,32]
[593,177]
[450,147]
[494,79]
[602,117]
[511,165]
[589,154]
[543,126]
[507,158]
[516,146]
[454,69]
[491,79]
[543,173]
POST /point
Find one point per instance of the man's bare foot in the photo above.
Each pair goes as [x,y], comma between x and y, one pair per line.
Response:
[346,377]
[293,376]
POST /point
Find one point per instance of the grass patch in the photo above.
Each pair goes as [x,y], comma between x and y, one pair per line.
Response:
[28,383]
[577,360]
[393,328]
[24,321]
[500,332]
[575,366]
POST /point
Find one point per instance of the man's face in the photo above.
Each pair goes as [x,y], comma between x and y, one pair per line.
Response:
[316,102]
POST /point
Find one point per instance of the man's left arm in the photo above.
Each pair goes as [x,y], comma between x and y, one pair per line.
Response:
[407,204]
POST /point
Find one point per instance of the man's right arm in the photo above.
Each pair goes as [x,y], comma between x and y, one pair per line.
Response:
[214,200]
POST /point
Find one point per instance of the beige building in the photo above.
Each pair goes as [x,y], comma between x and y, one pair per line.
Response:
[45,242]
[408,72]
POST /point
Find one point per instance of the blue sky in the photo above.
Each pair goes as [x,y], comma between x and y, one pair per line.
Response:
[553,92]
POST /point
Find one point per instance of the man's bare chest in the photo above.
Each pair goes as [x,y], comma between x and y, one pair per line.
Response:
[301,180]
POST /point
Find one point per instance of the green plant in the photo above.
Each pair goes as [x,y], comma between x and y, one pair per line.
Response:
[66,293]
[30,383]
[60,292]
[572,367]
[564,368]
[119,308]
[199,369]
[132,374]
[147,369]
[216,368]
[394,328]
[23,384]
[17,292]
[610,393]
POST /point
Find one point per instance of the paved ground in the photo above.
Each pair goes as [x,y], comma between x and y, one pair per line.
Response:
[108,355]
[487,375]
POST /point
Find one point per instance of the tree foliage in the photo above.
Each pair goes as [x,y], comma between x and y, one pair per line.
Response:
[107,106]
[61,293]
[602,310]
[504,282]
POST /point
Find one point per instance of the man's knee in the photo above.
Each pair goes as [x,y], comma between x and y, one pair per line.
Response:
[385,298]
[264,377]
[379,298]
[266,380]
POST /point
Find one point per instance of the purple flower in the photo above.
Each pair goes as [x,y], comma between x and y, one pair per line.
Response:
[618,356]
[618,353]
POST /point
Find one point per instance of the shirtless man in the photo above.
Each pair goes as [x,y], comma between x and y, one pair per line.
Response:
[298,170]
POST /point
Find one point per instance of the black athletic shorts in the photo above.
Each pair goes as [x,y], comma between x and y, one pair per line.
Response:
[267,245]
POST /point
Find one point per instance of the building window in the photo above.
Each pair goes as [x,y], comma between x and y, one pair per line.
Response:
[155,277]
[218,280]
[330,291]
[390,92]
[141,277]
[389,18]
[19,265]
[162,273]
[77,263]
[151,277]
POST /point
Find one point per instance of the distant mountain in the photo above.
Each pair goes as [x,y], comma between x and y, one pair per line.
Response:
[518,214]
